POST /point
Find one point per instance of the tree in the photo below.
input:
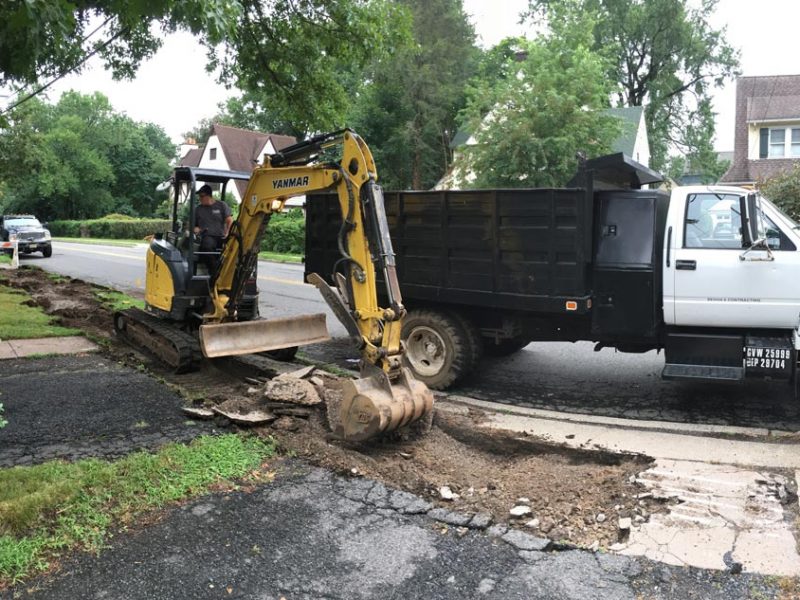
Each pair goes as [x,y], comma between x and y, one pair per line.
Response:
[408,109]
[665,56]
[79,159]
[548,109]
[783,189]
[287,52]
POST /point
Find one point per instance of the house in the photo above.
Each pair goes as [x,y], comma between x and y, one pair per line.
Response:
[631,141]
[767,129]
[235,149]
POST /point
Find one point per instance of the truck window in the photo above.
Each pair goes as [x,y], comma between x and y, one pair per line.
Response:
[712,221]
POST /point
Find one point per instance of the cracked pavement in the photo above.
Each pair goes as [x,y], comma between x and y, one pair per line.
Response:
[311,534]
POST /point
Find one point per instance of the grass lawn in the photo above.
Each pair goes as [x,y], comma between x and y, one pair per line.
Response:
[5,259]
[114,300]
[98,241]
[278,257]
[50,508]
[18,321]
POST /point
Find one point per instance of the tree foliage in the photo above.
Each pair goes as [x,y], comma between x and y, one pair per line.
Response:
[783,189]
[408,108]
[549,106]
[665,56]
[287,52]
[80,159]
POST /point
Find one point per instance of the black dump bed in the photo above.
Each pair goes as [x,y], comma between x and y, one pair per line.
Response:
[525,249]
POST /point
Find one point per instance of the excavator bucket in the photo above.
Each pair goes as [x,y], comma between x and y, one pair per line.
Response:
[374,405]
[249,337]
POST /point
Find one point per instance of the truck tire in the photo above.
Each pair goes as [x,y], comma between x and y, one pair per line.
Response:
[473,336]
[47,252]
[505,347]
[438,348]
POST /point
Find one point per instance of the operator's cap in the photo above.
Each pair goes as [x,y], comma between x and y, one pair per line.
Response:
[205,191]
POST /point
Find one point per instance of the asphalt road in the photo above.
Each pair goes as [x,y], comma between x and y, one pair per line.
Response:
[555,376]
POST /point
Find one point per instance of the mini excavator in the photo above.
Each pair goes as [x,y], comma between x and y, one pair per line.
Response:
[190,313]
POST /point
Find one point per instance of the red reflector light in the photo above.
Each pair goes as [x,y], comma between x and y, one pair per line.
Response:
[572,305]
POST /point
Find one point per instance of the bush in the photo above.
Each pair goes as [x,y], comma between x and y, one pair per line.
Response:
[125,229]
[784,190]
[117,217]
[286,233]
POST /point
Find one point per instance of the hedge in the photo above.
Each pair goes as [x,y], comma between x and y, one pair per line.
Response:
[285,232]
[109,229]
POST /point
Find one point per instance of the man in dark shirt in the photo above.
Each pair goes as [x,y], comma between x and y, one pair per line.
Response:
[212,221]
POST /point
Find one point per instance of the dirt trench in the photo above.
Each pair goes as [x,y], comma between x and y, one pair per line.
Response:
[577,496]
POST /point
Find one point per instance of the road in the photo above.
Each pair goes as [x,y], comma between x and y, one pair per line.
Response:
[554,376]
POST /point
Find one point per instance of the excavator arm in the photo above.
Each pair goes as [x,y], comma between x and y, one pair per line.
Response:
[386,396]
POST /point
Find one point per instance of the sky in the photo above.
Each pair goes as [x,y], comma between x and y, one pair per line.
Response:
[173,89]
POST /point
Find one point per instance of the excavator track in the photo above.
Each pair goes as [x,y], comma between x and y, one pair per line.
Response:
[178,349]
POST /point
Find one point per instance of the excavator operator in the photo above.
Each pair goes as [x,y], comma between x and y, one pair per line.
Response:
[212,222]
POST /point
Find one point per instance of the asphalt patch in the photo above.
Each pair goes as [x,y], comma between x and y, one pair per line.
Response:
[74,407]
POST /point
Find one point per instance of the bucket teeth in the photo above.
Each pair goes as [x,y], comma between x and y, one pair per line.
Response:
[372,406]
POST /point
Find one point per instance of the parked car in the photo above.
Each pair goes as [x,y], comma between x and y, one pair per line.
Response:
[29,233]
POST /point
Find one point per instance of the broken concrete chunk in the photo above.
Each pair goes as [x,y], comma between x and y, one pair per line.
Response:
[301,373]
[520,511]
[255,417]
[600,517]
[198,413]
[526,501]
[524,541]
[480,521]
[451,518]
[533,524]
[287,388]
[625,523]
[446,493]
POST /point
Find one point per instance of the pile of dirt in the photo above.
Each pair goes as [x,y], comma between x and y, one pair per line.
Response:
[576,496]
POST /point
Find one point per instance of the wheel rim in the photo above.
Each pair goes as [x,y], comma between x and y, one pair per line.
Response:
[425,350]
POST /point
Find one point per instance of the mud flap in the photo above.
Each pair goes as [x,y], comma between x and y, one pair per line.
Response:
[231,339]
[374,405]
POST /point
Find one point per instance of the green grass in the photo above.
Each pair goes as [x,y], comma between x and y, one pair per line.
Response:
[114,300]
[100,241]
[48,509]
[18,321]
[278,257]
[5,259]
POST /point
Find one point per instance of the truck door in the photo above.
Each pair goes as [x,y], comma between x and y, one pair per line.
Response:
[733,266]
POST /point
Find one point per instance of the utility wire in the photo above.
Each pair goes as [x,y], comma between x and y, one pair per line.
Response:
[69,70]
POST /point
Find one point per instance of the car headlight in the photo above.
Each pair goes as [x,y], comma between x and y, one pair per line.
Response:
[46,235]
[12,237]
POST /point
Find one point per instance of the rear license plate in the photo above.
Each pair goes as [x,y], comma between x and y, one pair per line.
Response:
[32,245]
[768,362]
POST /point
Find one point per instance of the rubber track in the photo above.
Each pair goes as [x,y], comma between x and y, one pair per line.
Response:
[184,344]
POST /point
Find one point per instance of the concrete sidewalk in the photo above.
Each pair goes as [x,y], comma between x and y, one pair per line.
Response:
[52,345]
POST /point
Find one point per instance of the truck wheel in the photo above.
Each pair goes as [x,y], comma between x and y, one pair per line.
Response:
[473,337]
[47,252]
[437,347]
[505,347]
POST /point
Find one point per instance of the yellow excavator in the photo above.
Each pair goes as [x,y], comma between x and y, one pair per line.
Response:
[192,312]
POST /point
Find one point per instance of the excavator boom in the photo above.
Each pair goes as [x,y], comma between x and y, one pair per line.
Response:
[386,396]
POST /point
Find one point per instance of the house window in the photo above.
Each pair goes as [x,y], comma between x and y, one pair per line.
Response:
[777,143]
[796,142]
[212,154]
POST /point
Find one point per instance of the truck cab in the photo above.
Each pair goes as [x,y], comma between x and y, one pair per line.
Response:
[731,298]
